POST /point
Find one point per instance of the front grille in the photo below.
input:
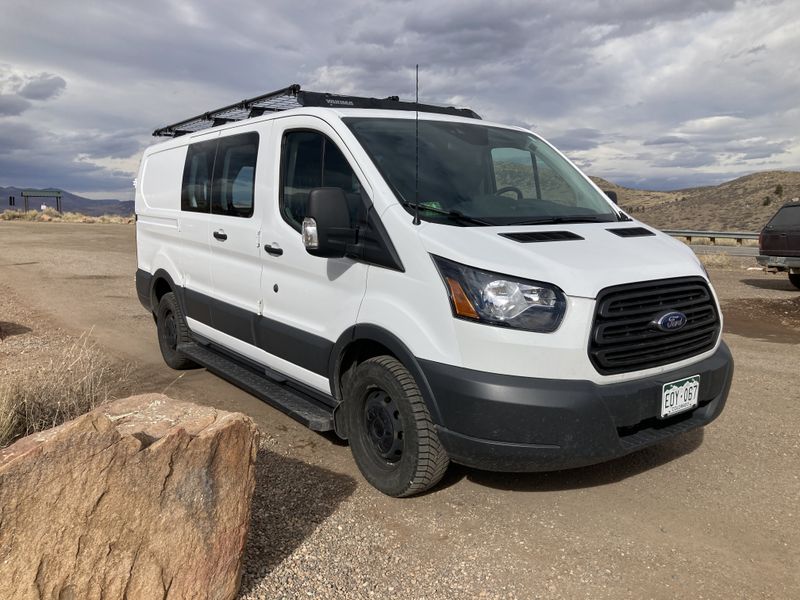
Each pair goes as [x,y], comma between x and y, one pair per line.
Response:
[624,339]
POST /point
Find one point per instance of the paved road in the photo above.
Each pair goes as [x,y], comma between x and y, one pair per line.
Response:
[712,514]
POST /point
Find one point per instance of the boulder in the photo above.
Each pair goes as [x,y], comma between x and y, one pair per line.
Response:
[146,497]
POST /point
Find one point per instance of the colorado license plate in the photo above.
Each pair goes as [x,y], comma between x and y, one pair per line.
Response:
[679,396]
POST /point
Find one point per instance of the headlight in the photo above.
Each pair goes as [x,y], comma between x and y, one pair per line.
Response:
[501,300]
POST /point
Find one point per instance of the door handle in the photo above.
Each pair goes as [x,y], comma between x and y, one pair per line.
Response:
[220,235]
[274,250]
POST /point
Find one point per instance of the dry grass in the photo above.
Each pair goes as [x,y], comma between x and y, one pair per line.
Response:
[77,378]
[716,261]
[704,241]
[51,215]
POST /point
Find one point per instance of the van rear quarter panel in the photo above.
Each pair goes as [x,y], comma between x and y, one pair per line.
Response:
[161,175]
[158,197]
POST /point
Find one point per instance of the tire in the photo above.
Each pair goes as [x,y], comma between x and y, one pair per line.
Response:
[795,279]
[392,438]
[172,330]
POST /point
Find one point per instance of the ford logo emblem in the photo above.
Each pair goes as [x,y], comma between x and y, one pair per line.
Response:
[669,321]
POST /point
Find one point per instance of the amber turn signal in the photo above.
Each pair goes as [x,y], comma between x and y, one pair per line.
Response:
[460,301]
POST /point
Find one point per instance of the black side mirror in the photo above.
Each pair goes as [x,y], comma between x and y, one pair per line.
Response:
[326,228]
[611,196]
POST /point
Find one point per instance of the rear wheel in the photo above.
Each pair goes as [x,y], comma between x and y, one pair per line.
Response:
[172,330]
[392,437]
[795,279]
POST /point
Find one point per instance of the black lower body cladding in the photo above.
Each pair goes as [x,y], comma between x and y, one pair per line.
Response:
[144,283]
[509,423]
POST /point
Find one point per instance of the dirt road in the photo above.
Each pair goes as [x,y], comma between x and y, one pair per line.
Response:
[712,514]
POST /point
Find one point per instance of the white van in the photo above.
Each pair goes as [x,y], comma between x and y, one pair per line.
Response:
[430,286]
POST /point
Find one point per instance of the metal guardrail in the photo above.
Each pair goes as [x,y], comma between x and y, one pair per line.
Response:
[739,236]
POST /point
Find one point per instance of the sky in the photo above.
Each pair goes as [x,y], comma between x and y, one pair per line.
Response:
[650,94]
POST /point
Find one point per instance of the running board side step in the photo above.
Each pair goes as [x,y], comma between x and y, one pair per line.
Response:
[311,413]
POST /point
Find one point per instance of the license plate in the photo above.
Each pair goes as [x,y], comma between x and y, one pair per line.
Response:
[679,396]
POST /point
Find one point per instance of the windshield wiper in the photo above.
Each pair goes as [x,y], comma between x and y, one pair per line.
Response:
[449,213]
[572,219]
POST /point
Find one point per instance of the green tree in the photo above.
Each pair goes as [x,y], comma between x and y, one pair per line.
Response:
[779,191]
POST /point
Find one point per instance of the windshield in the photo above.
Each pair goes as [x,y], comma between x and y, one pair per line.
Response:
[478,175]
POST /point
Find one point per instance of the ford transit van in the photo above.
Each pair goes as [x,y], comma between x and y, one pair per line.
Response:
[430,286]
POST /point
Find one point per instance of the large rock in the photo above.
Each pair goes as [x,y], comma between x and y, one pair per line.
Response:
[146,497]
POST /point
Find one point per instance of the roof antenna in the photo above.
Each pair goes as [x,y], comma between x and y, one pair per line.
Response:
[416,153]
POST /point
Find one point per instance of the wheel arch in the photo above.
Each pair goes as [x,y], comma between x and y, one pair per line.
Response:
[364,341]
[162,283]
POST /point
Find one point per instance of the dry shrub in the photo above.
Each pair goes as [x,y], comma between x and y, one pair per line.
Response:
[715,261]
[77,379]
[18,215]
[52,215]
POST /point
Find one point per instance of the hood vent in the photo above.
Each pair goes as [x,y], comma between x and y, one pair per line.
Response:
[527,237]
[631,232]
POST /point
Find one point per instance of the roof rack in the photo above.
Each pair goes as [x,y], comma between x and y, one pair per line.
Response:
[293,97]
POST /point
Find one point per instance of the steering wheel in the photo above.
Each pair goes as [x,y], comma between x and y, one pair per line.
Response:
[510,188]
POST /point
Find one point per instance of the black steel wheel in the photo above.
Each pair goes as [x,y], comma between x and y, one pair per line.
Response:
[392,437]
[172,330]
[795,279]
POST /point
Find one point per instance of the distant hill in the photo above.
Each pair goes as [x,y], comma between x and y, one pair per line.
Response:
[70,203]
[744,204]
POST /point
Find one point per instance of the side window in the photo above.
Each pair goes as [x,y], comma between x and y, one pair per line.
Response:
[309,160]
[513,167]
[196,189]
[234,175]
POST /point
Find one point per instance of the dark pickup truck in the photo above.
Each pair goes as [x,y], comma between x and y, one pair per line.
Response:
[779,243]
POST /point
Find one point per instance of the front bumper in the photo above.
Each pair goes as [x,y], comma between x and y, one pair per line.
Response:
[509,423]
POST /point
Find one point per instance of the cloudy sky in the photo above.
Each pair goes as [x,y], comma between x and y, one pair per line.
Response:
[650,93]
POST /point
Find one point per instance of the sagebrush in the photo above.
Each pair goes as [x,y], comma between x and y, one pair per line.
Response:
[77,379]
[52,215]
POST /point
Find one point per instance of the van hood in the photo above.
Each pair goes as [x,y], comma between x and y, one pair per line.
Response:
[580,267]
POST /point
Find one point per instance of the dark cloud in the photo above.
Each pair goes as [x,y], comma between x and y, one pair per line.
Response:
[664,140]
[15,136]
[703,84]
[121,143]
[43,87]
[686,160]
[583,138]
[11,104]
[54,170]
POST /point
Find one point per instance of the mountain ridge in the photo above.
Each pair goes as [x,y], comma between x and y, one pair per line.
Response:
[69,202]
[744,204]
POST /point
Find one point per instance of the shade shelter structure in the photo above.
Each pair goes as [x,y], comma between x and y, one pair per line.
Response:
[42,194]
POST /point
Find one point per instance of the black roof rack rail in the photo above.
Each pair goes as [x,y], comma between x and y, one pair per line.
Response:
[293,97]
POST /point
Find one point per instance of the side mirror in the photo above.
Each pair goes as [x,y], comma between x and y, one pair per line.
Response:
[611,196]
[326,228]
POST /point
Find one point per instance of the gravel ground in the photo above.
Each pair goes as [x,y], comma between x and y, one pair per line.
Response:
[710,514]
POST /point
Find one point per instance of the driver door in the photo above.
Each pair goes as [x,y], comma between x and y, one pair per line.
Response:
[308,301]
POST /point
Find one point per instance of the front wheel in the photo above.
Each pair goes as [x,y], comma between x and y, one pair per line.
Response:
[392,437]
[172,330]
[795,279]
